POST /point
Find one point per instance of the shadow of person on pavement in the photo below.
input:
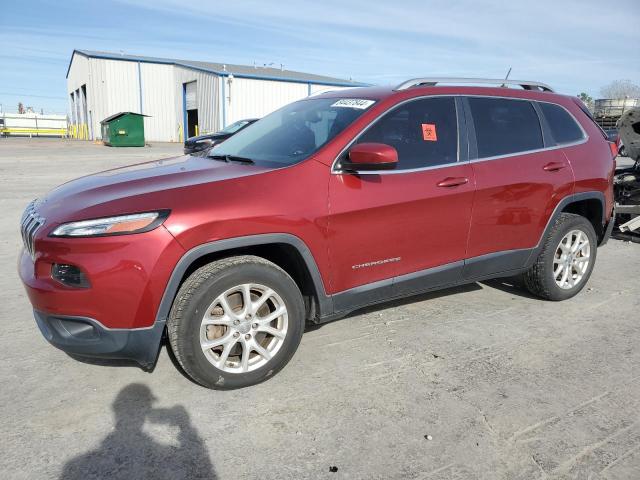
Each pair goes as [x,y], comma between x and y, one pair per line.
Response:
[130,453]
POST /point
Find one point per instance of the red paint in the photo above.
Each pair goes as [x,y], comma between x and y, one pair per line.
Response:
[374,154]
[514,198]
[416,219]
[406,215]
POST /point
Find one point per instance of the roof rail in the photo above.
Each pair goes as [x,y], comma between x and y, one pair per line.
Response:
[433,81]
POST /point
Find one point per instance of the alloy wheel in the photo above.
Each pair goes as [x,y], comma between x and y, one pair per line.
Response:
[571,259]
[244,328]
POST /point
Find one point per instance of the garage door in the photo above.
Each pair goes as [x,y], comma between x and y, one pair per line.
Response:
[191,97]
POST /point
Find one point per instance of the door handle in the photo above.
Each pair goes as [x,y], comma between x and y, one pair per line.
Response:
[453,181]
[554,166]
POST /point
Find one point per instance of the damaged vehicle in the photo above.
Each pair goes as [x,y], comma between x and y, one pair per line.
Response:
[627,179]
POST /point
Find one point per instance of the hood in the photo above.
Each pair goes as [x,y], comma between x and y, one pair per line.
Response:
[136,188]
[207,136]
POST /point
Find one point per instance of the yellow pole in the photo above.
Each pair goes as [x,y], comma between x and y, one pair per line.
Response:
[196,130]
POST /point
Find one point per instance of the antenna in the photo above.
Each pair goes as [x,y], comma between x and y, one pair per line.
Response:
[506,78]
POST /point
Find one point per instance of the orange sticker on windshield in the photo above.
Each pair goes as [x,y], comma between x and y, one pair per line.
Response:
[429,132]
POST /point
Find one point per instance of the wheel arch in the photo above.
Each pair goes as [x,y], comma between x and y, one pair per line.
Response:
[285,250]
[590,205]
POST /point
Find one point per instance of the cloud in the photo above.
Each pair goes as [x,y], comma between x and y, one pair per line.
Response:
[571,44]
[578,43]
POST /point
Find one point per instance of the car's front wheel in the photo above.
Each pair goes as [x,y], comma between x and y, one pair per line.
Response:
[236,322]
[566,260]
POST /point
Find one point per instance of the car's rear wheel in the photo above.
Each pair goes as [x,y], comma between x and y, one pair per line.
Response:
[236,322]
[566,261]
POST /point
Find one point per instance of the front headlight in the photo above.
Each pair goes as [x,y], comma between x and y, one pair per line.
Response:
[120,225]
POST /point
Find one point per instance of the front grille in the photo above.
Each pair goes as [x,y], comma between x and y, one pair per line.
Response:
[30,224]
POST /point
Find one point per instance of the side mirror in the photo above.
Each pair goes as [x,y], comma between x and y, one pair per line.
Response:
[370,156]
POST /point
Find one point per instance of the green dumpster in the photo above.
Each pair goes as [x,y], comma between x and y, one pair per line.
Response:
[124,129]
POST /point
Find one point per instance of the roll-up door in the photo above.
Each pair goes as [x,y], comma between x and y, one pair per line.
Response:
[191,96]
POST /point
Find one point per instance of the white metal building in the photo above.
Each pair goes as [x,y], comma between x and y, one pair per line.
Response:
[180,96]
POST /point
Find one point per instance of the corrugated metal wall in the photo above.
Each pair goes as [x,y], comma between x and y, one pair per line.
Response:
[78,76]
[207,97]
[115,86]
[78,73]
[158,101]
[112,88]
[255,98]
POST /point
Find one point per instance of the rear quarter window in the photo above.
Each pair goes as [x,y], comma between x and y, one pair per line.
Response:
[564,127]
[504,126]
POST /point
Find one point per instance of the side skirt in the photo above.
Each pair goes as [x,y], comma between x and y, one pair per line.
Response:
[493,265]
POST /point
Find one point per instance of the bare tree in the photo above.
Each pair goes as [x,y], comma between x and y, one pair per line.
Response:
[20,107]
[621,89]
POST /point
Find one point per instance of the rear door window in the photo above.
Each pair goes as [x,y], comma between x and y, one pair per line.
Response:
[424,132]
[504,126]
[563,126]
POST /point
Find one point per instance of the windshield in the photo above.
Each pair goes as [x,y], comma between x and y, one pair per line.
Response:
[235,126]
[294,132]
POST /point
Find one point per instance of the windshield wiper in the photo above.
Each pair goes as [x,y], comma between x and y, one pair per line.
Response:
[231,158]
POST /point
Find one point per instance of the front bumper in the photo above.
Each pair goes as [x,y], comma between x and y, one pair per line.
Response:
[127,277]
[116,316]
[86,337]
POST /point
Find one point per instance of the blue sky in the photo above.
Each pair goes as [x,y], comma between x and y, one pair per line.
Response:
[574,45]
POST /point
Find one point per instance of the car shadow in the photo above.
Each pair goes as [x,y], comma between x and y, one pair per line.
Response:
[128,452]
[512,285]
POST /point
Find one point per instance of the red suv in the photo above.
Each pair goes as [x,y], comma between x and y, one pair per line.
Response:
[329,204]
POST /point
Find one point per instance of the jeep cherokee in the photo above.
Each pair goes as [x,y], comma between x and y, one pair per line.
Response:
[330,204]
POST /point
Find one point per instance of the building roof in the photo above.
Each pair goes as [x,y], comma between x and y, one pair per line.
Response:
[242,71]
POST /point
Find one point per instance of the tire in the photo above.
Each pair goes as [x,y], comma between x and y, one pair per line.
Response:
[541,280]
[210,309]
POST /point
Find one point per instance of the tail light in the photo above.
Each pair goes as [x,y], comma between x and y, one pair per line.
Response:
[614,149]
